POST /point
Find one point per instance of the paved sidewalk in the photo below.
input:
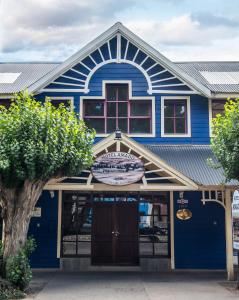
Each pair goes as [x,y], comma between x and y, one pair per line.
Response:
[134,285]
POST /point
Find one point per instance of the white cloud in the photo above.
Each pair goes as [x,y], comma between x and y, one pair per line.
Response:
[55,29]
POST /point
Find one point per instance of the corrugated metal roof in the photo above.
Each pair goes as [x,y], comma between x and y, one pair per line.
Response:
[191,161]
[194,69]
[30,73]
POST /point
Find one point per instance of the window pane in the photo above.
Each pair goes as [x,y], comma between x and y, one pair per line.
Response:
[123,109]
[168,108]
[180,125]
[180,108]
[123,125]
[169,125]
[111,92]
[161,249]
[57,102]
[93,108]
[111,109]
[97,124]
[218,107]
[123,92]
[111,125]
[140,125]
[140,108]
[146,249]
[84,248]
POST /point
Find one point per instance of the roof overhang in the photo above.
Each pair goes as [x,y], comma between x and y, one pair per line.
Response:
[118,28]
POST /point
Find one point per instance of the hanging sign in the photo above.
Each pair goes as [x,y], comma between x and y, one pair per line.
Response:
[235,220]
[118,168]
[36,212]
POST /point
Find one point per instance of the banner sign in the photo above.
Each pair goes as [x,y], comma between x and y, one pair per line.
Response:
[235,220]
[118,168]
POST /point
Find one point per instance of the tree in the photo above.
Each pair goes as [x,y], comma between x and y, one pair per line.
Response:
[225,140]
[38,142]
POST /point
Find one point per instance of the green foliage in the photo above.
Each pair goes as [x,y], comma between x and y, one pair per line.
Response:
[18,271]
[7,291]
[39,142]
[225,141]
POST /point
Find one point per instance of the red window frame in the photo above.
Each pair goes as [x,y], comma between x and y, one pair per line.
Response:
[174,102]
[117,102]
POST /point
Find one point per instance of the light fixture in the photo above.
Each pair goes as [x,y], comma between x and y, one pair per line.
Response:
[118,134]
[52,194]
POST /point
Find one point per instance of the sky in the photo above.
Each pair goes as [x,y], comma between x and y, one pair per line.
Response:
[182,30]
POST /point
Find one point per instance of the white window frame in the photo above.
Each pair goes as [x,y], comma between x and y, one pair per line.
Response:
[71,99]
[173,135]
[131,97]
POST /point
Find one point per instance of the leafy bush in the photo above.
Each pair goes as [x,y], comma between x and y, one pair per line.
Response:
[7,291]
[18,270]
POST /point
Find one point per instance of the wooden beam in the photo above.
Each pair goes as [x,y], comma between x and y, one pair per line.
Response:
[229,240]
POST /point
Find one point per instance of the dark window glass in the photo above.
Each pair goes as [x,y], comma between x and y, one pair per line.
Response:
[122,109]
[123,125]
[97,124]
[5,102]
[175,116]
[130,116]
[140,125]
[123,92]
[111,91]
[94,108]
[218,107]
[111,109]
[111,125]
[57,102]
[140,108]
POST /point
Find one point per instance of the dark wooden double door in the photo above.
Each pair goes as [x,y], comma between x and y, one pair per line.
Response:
[115,233]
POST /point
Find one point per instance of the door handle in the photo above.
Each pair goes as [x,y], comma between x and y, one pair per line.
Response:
[116,233]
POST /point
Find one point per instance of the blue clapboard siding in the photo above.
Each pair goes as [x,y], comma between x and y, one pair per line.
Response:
[44,230]
[123,71]
[200,241]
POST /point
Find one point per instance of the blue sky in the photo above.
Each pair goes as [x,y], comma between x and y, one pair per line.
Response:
[52,30]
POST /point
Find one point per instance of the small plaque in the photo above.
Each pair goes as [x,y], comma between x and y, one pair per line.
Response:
[184,214]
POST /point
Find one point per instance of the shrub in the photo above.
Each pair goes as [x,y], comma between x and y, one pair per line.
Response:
[18,270]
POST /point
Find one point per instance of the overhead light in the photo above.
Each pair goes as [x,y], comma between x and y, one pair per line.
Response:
[118,134]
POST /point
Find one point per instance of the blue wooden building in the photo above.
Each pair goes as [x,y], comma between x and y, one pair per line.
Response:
[177,215]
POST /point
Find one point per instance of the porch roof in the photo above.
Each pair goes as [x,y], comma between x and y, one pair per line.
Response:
[191,161]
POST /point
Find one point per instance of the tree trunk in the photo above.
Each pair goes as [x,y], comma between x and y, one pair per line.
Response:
[18,206]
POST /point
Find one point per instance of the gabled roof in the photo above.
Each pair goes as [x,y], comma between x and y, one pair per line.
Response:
[29,73]
[138,42]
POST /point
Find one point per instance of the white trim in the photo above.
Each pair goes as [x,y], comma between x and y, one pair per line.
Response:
[62,90]
[131,37]
[164,79]
[59,221]
[71,99]
[90,56]
[224,95]
[118,55]
[131,97]
[101,55]
[174,92]
[126,49]
[78,72]
[172,230]
[161,72]
[122,61]
[72,78]
[66,83]
[144,60]
[210,116]
[169,85]
[109,49]
[163,98]
[85,66]
[151,67]
[136,53]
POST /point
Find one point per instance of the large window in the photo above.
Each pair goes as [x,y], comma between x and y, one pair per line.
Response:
[117,110]
[175,116]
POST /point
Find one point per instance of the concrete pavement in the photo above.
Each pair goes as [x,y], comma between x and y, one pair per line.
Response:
[133,285]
